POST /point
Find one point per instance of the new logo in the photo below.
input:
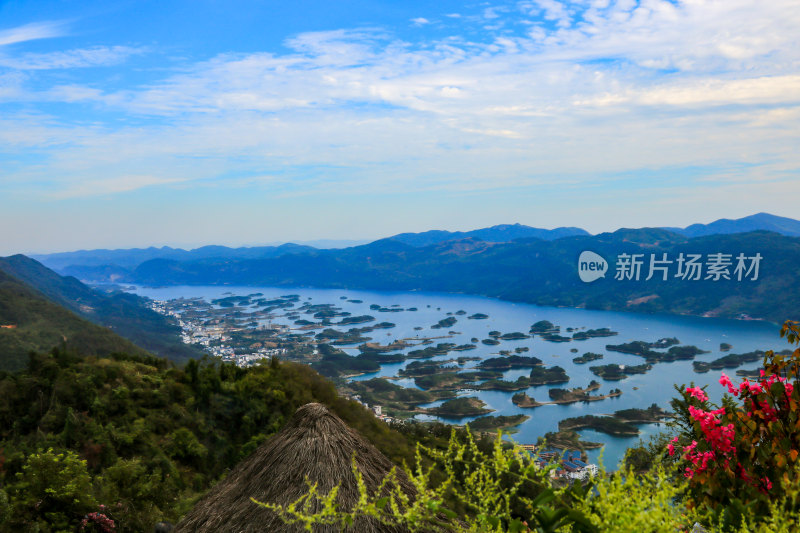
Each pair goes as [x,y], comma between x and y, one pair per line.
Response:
[591,266]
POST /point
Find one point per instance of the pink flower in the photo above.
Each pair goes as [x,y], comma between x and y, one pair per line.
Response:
[671,448]
[698,393]
[754,387]
[725,381]
[690,448]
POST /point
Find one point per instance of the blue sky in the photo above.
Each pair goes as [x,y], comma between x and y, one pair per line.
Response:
[195,122]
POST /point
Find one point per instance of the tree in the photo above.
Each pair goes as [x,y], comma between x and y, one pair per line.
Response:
[52,492]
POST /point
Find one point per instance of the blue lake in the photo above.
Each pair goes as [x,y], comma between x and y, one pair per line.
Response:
[640,391]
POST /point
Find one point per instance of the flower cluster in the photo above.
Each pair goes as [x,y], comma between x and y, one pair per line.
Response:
[103,522]
[746,450]
[697,392]
[762,403]
[756,400]
[719,438]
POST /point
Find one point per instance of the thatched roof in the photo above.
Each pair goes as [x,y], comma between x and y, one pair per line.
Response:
[314,445]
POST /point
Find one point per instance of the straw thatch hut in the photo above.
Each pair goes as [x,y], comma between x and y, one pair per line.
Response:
[314,445]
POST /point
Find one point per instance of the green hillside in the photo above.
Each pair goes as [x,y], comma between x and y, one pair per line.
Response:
[126,314]
[153,437]
[32,323]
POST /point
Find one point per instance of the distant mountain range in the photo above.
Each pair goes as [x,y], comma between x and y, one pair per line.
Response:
[528,270]
[760,221]
[502,233]
[125,314]
[113,265]
[133,257]
[513,262]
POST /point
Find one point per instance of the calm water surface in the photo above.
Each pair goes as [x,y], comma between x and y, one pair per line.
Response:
[656,386]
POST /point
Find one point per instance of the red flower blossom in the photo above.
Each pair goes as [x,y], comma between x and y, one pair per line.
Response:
[698,393]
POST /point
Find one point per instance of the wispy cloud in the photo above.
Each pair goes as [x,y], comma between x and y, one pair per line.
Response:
[98,56]
[772,90]
[32,32]
[110,186]
[550,90]
[615,53]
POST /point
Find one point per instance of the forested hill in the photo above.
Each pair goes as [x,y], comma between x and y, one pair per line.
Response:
[29,322]
[126,314]
[152,437]
[529,270]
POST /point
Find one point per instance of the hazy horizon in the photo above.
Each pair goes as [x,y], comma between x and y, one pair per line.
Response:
[326,243]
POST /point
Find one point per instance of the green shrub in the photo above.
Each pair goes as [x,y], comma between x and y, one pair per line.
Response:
[502,490]
[53,492]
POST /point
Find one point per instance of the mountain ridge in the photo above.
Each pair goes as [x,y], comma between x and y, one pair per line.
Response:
[131,257]
[499,233]
[759,221]
[32,323]
[104,265]
[528,270]
[125,313]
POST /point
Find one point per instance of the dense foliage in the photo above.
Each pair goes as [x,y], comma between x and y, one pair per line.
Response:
[740,456]
[503,490]
[136,440]
[496,487]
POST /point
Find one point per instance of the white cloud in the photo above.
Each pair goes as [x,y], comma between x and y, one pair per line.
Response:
[706,92]
[763,90]
[75,93]
[338,47]
[613,55]
[98,56]
[552,10]
[685,35]
[31,32]
[597,89]
[111,185]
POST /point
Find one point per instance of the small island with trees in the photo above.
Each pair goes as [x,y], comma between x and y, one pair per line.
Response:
[565,396]
[605,424]
[648,350]
[587,357]
[460,408]
[492,423]
[614,372]
[732,361]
